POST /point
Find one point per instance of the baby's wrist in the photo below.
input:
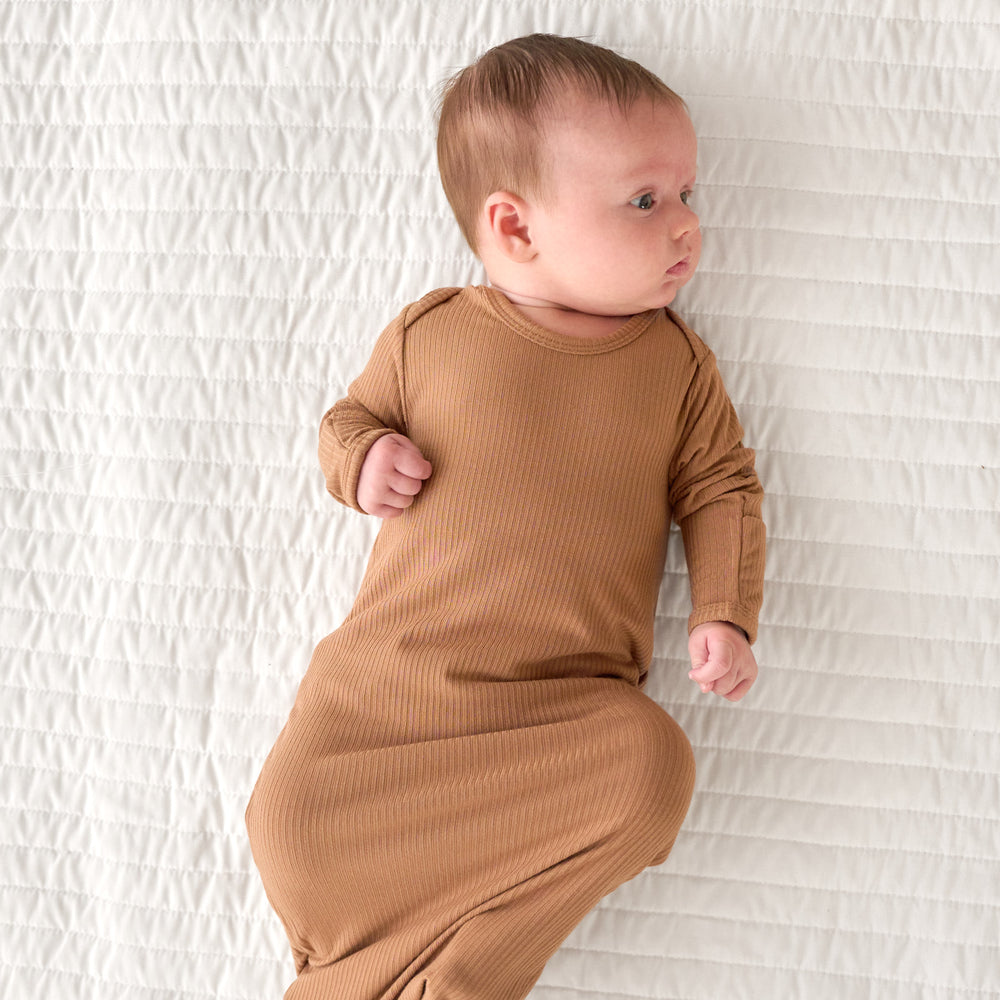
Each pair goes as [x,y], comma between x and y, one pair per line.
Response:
[729,625]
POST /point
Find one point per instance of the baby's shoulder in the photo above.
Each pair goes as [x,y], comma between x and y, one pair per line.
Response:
[685,338]
[415,310]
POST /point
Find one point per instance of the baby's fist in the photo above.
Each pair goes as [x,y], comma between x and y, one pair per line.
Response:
[392,474]
[722,660]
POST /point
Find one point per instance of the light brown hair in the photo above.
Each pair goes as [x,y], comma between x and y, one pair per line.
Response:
[489,137]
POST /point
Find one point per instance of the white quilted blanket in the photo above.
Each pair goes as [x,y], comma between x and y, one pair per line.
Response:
[209,209]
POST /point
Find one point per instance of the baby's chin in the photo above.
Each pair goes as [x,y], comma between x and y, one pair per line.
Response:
[670,289]
[610,307]
[655,298]
[660,300]
[660,297]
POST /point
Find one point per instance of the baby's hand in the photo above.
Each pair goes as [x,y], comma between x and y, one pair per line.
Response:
[722,660]
[392,474]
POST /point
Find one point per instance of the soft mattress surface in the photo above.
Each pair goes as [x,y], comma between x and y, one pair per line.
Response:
[208,210]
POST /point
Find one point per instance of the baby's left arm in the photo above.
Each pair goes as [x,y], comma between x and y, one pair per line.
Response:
[715,497]
[722,660]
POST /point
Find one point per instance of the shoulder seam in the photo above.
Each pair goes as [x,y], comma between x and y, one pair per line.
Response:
[423,305]
[699,348]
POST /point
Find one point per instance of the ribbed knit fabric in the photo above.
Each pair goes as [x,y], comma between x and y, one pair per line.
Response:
[470,764]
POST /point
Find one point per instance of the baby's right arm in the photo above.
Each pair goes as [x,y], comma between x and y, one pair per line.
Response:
[392,474]
[369,459]
[352,429]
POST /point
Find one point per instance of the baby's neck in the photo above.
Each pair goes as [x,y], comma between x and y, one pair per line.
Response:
[562,320]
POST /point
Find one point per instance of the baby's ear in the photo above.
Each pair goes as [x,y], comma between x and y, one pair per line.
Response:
[505,226]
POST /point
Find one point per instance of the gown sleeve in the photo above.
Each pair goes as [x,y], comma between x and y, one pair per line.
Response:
[373,407]
[715,497]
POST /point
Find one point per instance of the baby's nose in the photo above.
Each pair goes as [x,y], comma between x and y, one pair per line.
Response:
[684,221]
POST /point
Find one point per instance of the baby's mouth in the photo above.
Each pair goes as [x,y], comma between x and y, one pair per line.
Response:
[680,267]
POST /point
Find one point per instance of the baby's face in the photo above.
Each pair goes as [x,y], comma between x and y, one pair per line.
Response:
[618,232]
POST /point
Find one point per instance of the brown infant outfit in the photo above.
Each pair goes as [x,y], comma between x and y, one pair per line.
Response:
[470,763]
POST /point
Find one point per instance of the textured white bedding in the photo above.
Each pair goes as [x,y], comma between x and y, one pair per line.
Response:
[209,209]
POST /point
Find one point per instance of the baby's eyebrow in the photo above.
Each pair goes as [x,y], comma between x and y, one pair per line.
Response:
[656,168]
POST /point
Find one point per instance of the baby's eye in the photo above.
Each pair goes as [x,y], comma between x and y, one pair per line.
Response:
[686,197]
[644,201]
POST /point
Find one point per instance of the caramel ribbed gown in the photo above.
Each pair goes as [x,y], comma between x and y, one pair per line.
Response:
[470,764]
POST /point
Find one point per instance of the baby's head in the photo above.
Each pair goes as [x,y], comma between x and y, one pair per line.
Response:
[551,146]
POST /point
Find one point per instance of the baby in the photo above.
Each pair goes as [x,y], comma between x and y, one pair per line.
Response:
[470,763]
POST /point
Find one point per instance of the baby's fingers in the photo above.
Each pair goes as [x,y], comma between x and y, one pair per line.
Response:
[722,660]
[709,672]
[737,692]
[409,470]
[408,461]
[392,474]
[404,485]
